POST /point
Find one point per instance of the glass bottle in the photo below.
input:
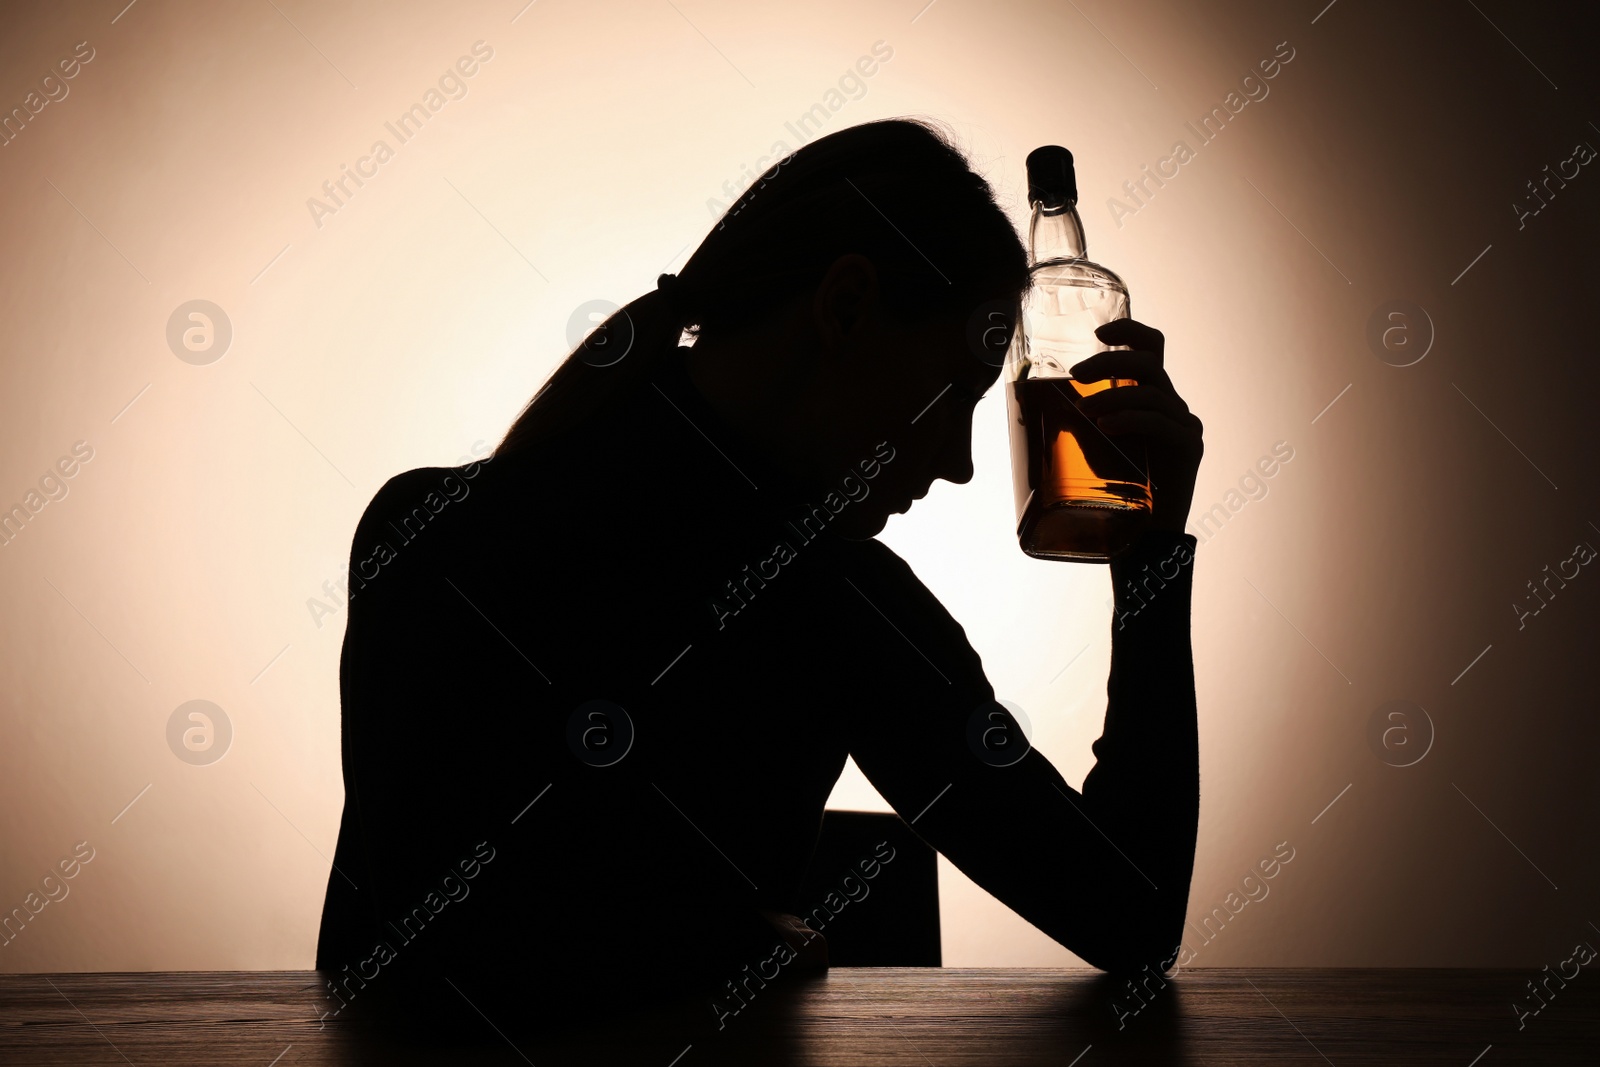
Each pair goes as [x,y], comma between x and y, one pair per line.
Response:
[1080,495]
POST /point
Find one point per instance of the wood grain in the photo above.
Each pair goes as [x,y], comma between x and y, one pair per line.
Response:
[913,1016]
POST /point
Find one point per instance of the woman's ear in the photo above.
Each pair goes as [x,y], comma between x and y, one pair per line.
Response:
[846,302]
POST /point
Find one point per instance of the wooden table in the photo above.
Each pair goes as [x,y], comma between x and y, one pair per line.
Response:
[912,1016]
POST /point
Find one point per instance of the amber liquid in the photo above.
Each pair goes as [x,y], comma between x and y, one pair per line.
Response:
[1080,495]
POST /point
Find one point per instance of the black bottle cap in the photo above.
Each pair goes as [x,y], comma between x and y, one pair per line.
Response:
[1051,179]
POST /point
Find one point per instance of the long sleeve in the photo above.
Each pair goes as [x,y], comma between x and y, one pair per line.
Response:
[1145,786]
[750,651]
[1105,872]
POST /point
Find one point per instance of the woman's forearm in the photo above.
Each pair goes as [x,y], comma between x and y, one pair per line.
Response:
[1144,790]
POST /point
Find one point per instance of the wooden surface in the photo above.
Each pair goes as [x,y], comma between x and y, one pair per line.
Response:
[922,1017]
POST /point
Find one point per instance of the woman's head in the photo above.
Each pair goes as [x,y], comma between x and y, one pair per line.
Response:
[831,295]
[895,191]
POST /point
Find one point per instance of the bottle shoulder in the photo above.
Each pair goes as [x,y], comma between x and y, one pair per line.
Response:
[1077,272]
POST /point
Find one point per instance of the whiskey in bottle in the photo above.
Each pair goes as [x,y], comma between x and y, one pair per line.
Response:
[1080,495]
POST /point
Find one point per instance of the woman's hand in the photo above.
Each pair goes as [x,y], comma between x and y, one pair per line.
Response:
[1151,412]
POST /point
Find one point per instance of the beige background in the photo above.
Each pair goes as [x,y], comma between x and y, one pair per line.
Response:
[1381,563]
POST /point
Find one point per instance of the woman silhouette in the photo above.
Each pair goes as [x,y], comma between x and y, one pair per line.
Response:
[597,688]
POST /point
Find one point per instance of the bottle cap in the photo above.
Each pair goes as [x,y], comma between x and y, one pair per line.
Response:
[1051,178]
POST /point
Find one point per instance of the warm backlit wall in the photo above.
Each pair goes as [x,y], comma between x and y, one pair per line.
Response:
[192,504]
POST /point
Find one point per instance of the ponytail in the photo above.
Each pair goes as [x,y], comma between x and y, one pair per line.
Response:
[623,350]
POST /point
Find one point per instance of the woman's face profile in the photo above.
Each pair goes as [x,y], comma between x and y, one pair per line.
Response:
[906,389]
[850,398]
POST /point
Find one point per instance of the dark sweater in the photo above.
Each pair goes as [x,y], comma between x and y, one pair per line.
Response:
[653,561]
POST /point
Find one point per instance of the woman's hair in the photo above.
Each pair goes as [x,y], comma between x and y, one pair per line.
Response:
[896,191]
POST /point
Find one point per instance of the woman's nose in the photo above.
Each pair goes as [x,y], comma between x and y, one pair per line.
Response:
[956,461]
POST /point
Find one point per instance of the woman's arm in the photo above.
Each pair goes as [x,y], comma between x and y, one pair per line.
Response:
[1106,871]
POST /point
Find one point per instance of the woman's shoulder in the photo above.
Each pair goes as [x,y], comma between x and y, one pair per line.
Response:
[896,595]
[423,491]
[876,562]
[417,508]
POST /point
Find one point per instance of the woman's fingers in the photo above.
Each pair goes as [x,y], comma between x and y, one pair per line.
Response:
[1150,398]
[1142,365]
[1153,426]
[1134,334]
[1157,412]
[1149,412]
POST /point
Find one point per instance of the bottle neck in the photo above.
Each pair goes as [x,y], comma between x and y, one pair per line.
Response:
[1055,233]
